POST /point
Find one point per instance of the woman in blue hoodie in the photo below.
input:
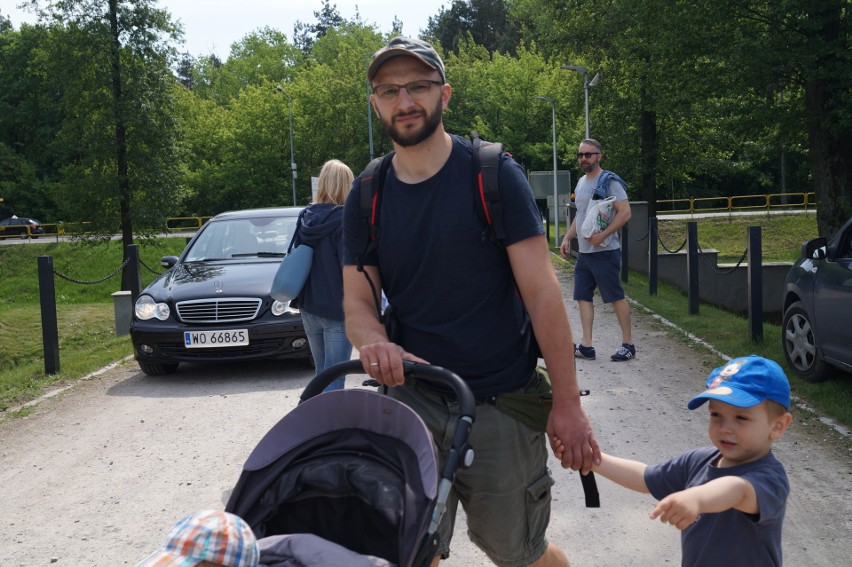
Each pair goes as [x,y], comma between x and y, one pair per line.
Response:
[321,300]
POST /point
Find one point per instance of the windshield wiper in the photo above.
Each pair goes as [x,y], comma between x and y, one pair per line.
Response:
[260,254]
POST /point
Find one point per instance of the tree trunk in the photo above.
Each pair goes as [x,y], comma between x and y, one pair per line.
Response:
[830,142]
[120,140]
[648,151]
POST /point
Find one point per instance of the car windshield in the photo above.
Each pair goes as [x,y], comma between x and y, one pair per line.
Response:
[242,238]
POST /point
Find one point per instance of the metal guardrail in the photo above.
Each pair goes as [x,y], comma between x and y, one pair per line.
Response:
[768,201]
[56,230]
[733,203]
[186,223]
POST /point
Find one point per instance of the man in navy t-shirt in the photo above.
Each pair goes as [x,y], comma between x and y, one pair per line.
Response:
[464,303]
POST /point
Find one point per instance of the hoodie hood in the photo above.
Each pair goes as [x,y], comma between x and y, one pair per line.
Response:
[320,220]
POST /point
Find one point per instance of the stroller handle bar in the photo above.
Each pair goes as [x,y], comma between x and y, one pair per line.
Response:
[426,372]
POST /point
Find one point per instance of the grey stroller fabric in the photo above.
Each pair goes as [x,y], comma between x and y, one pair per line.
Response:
[308,550]
[353,467]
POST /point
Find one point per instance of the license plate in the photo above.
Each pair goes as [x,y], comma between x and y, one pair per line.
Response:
[215,339]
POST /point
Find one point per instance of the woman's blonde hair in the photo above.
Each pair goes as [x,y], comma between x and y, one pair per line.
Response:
[335,180]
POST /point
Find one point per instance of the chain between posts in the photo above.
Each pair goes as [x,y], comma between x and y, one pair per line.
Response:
[666,248]
[647,234]
[713,267]
[93,282]
[152,270]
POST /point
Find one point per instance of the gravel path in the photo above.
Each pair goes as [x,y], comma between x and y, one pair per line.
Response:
[97,475]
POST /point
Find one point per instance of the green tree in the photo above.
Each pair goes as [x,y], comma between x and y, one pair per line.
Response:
[118,132]
[206,128]
[487,21]
[709,94]
[30,117]
[328,18]
[494,95]
[806,45]
[259,57]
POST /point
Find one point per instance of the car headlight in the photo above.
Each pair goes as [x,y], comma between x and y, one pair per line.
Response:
[281,307]
[146,308]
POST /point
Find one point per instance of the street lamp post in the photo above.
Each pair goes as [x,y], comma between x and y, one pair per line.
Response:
[587,84]
[369,107]
[292,153]
[555,195]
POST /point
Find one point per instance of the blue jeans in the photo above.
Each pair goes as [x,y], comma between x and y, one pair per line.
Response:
[329,344]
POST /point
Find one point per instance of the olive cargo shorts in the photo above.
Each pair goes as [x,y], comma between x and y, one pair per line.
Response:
[506,492]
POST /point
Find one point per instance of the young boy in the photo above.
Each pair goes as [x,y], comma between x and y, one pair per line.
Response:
[728,501]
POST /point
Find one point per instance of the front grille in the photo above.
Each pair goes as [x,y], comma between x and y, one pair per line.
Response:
[218,310]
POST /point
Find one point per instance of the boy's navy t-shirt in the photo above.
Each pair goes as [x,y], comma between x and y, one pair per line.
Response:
[731,537]
[451,287]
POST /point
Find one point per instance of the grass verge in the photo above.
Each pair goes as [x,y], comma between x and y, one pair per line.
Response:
[729,334]
[84,312]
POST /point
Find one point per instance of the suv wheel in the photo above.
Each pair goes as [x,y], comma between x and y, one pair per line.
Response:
[158,368]
[800,346]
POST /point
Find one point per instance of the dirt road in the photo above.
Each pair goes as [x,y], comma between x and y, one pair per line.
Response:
[97,475]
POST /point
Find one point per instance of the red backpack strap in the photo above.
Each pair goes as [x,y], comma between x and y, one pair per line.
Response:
[488,156]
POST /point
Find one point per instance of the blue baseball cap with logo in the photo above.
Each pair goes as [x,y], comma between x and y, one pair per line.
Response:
[745,382]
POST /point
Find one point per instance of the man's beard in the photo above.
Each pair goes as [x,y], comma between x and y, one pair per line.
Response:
[412,138]
[588,167]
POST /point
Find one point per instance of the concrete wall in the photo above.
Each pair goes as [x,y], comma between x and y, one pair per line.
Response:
[721,285]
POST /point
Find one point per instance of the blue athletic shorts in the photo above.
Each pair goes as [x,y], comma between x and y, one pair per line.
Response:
[598,270]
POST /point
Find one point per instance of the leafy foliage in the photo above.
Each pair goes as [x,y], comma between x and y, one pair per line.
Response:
[696,99]
[486,21]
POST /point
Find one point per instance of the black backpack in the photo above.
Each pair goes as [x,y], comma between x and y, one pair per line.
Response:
[487,157]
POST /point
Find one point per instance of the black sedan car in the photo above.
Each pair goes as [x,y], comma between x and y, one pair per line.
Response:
[213,302]
[22,227]
[817,330]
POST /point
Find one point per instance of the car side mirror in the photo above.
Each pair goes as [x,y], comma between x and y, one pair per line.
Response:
[814,249]
[168,261]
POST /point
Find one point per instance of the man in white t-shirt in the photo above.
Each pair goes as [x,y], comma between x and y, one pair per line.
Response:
[599,260]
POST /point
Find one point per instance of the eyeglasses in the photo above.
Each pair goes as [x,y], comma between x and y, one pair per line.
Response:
[586,155]
[415,89]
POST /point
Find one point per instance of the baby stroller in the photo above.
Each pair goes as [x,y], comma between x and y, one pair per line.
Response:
[356,468]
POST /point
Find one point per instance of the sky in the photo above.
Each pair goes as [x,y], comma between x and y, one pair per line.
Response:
[213,25]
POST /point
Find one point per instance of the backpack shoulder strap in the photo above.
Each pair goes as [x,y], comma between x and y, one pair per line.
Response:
[488,156]
[372,181]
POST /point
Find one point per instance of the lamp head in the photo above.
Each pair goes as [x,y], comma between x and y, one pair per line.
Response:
[595,80]
[576,69]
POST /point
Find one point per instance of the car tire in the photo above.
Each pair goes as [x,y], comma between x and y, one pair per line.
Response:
[158,368]
[801,350]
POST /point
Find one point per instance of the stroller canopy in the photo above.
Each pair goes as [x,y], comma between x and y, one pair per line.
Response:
[354,467]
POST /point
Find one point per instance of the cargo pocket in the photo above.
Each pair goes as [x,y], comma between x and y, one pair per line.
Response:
[538,507]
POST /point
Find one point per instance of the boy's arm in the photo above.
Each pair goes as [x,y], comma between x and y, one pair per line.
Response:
[627,473]
[681,509]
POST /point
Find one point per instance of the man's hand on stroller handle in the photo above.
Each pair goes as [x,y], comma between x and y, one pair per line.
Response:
[382,361]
